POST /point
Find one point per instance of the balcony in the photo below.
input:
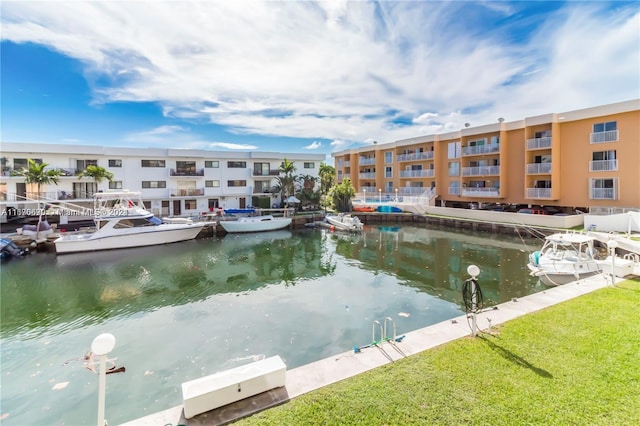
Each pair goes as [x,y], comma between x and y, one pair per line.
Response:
[539,193]
[424,173]
[539,168]
[368,175]
[412,190]
[480,149]
[603,165]
[266,173]
[603,137]
[481,192]
[427,155]
[539,143]
[64,172]
[364,161]
[481,171]
[187,192]
[186,172]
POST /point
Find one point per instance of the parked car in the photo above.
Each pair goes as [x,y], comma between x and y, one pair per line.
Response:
[532,211]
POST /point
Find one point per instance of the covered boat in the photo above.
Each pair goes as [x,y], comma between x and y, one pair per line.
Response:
[256,224]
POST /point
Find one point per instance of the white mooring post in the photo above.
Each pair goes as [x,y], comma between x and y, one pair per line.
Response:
[101,346]
[474,271]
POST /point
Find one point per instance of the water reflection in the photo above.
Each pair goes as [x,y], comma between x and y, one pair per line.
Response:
[189,309]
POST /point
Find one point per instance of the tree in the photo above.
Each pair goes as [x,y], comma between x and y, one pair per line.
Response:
[97,173]
[286,181]
[341,195]
[36,174]
[327,177]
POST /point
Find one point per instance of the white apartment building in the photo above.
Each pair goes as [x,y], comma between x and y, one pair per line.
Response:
[173,182]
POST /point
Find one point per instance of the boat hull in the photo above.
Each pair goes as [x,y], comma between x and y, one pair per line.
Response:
[128,238]
[239,226]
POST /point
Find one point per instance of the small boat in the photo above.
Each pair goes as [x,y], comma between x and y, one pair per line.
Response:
[8,248]
[239,211]
[345,222]
[121,221]
[38,232]
[389,209]
[564,257]
[256,224]
[364,209]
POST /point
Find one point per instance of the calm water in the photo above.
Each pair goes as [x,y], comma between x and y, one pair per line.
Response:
[190,309]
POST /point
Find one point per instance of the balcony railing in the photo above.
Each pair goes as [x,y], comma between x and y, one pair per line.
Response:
[538,168]
[544,193]
[539,143]
[368,175]
[426,155]
[603,165]
[363,161]
[266,173]
[603,137]
[187,192]
[480,149]
[417,173]
[481,192]
[412,190]
[64,172]
[186,172]
[481,171]
[603,194]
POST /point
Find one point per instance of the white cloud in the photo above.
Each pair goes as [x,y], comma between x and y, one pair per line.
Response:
[313,145]
[234,146]
[341,71]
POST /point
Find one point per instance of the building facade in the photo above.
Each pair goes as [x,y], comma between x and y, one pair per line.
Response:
[576,159]
[173,182]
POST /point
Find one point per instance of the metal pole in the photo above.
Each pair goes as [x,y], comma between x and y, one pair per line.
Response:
[474,306]
[101,389]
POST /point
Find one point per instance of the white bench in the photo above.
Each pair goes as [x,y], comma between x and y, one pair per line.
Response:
[209,392]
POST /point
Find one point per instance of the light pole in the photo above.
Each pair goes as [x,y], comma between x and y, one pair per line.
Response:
[613,245]
[101,346]
[474,271]
[396,195]
[365,195]
[380,195]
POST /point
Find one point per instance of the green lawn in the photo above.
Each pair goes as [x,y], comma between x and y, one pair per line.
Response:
[577,363]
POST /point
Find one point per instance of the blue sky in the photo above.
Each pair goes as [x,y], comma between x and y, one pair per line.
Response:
[313,77]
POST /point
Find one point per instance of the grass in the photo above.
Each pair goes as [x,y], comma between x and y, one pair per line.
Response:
[576,363]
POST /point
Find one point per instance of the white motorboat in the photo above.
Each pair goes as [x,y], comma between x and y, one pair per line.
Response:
[565,257]
[345,222]
[256,224]
[121,221]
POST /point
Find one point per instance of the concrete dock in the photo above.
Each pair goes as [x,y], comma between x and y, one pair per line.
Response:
[341,366]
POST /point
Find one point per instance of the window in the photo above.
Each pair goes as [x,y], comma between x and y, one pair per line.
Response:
[388,157]
[603,160]
[478,142]
[453,150]
[190,204]
[605,132]
[237,164]
[604,155]
[339,174]
[211,164]
[115,163]
[309,165]
[153,163]
[495,140]
[185,168]
[603,189]
[152,184]
[605,127]
[389,187]
[388,172]
[83,164]
[23,163]
[236,183]
[116,184]
[261,169]
[454,168]
[212,183]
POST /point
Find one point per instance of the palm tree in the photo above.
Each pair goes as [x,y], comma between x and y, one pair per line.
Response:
[37,175]
[327,177]
[287,168]
[97,173]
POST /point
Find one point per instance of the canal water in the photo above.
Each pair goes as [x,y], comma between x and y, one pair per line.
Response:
[186,310]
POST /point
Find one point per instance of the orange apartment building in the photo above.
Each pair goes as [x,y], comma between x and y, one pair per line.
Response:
[576,159]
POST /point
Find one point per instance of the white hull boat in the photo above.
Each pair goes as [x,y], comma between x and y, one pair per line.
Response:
[345,222]
[256,224]
[563,258]
[122,222]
